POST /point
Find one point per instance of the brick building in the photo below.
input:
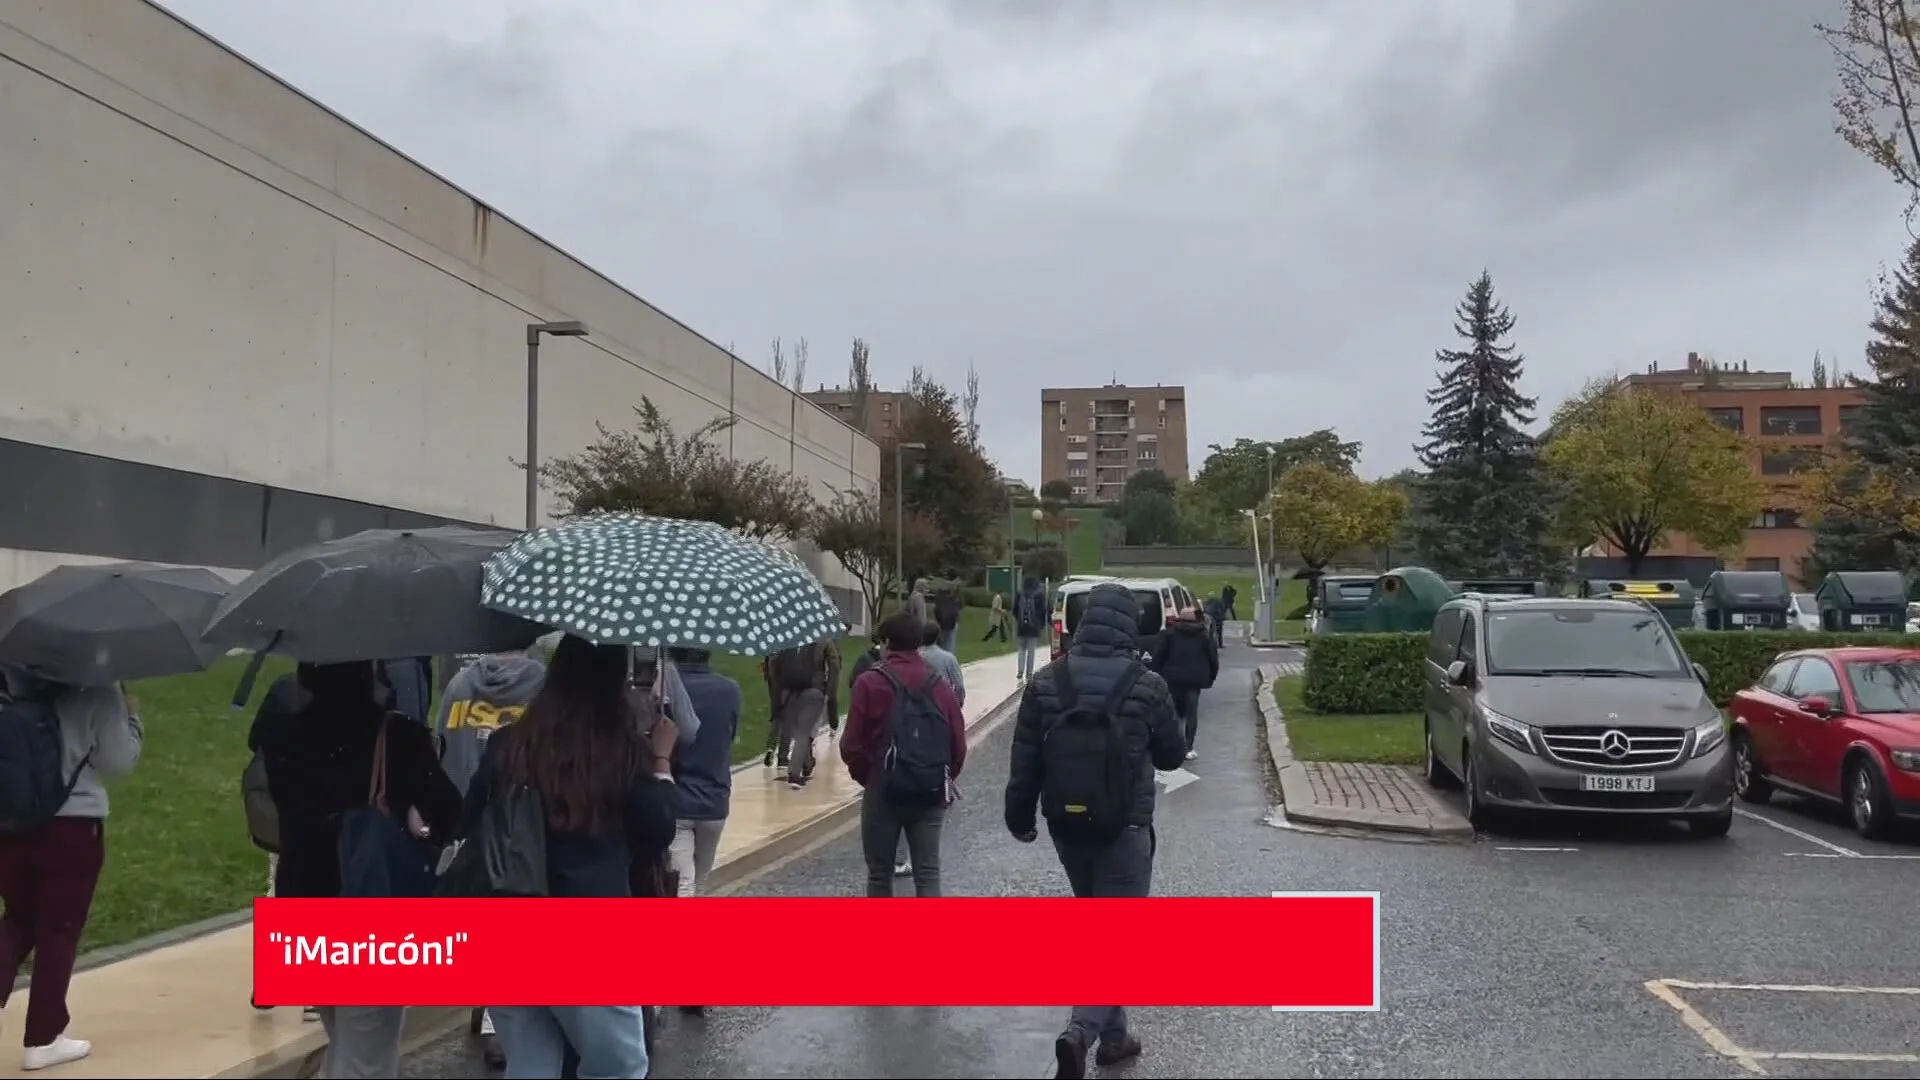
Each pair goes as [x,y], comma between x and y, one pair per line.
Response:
[1788,424]
[884,409]
[1094,438]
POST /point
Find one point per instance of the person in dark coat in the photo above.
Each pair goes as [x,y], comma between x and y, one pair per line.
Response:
[946,613]
[1104,651]
[1187,658]
[1227,593]
[1216,622]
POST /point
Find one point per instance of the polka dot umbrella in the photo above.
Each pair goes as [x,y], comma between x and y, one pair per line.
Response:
[629,579]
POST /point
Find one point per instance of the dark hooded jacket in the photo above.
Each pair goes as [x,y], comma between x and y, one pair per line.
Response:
[1103,649]
[1185,656]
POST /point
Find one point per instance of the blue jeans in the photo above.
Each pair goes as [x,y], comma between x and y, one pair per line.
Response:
[610,1039]
[1028,646]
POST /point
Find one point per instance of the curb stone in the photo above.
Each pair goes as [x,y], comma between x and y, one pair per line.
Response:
[1441,822]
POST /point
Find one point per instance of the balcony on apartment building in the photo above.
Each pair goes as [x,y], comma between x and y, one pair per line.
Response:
[1112,407]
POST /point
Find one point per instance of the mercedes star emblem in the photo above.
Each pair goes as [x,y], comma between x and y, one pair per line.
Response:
[1615,744]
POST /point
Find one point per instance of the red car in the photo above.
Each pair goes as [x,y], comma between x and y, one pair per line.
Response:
[1837,724]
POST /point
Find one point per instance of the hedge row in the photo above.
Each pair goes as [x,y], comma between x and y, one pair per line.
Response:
[1381,673]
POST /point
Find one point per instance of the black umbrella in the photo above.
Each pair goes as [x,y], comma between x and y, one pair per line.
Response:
[375,595]
[94,625]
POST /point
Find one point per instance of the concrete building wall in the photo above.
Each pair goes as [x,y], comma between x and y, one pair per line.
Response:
[1096,437]
[213,276]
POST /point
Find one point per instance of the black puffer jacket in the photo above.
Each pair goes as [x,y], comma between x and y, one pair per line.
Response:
[1103,649]
[1185,656]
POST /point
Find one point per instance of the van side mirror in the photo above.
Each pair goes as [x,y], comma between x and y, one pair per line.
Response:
[1817,705]
[1701,674]
[1460,673]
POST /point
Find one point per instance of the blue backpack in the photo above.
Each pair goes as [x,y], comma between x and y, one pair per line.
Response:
[34,782]
[919,760]
[379,857]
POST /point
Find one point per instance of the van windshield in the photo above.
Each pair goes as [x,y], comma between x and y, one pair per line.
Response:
[1151,612]
[1630,641]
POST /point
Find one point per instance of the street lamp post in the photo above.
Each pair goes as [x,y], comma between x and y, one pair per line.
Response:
[534,330]
[900,509]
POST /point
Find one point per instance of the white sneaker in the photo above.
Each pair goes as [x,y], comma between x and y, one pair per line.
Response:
[905,869]
[60,1051]
[486,1024]
[1192,754]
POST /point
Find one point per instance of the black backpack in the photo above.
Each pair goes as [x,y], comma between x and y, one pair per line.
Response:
[1089,775]
[507,853]
[34,782]
[1027,612]
[797,669]
[920,757]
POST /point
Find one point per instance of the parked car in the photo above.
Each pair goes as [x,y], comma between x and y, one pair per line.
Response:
[1841,725]
[1551,705]
[1161,601]
[1806,613]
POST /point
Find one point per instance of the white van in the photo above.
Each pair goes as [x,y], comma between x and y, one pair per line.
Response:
[1161,601]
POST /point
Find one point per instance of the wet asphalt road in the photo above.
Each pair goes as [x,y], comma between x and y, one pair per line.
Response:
[1517,956]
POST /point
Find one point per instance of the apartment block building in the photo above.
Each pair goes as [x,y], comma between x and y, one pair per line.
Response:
[1094,438]
[1788,425]
[884,409]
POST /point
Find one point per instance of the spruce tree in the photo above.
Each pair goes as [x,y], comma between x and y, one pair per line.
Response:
[1884,436]
[1484,507]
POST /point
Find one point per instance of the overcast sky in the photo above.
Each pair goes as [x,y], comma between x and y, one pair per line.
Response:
[1273,202]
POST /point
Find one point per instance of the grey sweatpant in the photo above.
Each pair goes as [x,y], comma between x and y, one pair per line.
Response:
[1121,869]
[363,1041]
[882,823]
[799,719]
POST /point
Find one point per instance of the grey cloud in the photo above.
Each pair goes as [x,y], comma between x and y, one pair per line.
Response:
[519,68]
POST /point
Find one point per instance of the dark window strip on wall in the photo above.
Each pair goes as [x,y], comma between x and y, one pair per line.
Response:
[85,504]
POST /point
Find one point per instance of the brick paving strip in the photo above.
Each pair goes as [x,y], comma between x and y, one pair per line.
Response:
[1386,798]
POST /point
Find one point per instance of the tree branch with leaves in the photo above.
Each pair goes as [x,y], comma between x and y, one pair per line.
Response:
[858,529]
[1633,468]
[653,469]
[1876,52]
[1320,512]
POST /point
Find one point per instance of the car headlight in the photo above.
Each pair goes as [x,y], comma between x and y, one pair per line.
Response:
[1509,731]
[1709,736]
[1905,760]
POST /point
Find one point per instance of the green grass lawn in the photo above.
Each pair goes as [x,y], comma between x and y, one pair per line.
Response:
[177,846]
[1392,739]
[1083,543]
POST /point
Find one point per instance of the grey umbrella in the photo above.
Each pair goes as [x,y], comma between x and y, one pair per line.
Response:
[94,625]
[375,595]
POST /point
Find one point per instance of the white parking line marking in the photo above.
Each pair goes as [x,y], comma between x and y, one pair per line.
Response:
[1789,988]
[1831,855]
[1813,1055]
[1504,847]
[1799,834]
[1712,1036]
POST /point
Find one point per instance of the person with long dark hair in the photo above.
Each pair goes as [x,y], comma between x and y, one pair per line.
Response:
[319,758]
[583,750]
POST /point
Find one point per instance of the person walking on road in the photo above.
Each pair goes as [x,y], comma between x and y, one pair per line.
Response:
[905,743]
[996,619]
[319,761]
[1186,657]
[58,744]
[582,749]
[946,612]
[1097,707]
[1227,593]
[799,675]
[484,695]
[1030,621]
[943,662]
[1216,613]
[703,768]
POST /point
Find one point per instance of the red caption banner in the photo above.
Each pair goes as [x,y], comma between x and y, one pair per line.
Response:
[1291,951]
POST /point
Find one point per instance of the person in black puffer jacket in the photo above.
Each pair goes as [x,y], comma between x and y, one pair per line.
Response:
[1115,862]
[1185,656]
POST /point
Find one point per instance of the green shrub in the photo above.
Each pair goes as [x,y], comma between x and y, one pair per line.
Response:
[1382,673]
[1734,659]
[1364,673]
[976,596]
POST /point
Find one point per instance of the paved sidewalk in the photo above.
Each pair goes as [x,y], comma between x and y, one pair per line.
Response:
[1387,798]
[181,1011]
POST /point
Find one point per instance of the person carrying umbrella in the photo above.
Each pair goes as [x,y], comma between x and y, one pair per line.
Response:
[65,740]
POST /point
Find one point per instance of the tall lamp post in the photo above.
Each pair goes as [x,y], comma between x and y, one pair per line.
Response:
[534,330]
[900,510]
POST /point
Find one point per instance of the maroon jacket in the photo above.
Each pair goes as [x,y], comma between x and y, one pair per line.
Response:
[868,734]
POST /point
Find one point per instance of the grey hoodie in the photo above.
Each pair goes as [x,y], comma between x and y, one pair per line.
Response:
[490,692]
